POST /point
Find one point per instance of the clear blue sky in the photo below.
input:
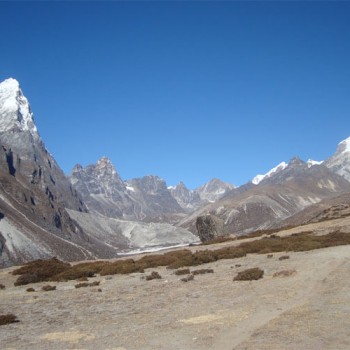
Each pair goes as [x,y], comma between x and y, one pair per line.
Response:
[184,90]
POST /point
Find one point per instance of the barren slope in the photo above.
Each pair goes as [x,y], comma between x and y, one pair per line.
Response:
[306,310]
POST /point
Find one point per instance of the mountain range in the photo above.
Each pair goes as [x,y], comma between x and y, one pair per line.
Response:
[94,213]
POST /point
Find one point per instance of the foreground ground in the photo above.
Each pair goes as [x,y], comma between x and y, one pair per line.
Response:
[307,309]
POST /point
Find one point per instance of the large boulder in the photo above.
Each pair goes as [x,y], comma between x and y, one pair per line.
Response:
[209,227]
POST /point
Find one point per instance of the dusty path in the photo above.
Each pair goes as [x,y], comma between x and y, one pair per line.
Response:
[307,310]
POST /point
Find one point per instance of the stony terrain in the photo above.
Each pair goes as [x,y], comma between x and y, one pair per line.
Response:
[304,307]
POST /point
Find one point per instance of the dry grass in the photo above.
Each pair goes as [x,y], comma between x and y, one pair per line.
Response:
[188,278]
[154,275]
[55,270]
[284,273]
[283,257]
[202,271]
[254,273]
[48,288]
[182,272]
[86,284]
[6,319]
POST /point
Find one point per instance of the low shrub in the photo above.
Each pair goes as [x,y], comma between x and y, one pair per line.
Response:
[30,290]
[2,286]
[283,257]
[48,288]
[202,271]
[27,279]
[188,278]
[6,319]
[153,275]
[284,273]
[182,272]
[269,256]
[86,284]
[254,273]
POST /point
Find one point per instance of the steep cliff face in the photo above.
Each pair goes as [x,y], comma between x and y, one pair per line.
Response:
[33,189]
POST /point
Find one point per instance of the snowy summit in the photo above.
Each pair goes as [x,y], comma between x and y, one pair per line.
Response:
[14,109]
[258,178]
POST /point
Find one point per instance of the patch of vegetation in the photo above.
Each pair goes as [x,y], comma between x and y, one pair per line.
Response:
[39,271]
[269,256]
[182,272]
[86,284]
[202,271]
[254,273]
[154,275]
[188,278]
[48,288]
[260,233]
[283,257]
[284,273]
[2,286]
[30,290]
[55,270]
[7,319]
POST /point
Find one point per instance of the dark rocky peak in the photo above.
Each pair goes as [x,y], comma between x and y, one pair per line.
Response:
[150,184]
[296,162]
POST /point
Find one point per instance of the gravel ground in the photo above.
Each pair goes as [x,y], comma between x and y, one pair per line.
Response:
[307,309]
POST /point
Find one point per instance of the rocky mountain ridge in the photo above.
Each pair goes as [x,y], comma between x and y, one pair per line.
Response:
[40,209]
[143,199]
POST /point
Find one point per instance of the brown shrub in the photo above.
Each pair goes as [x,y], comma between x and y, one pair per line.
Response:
[82,279]
[203,257]
[30,290]
[202,271]
[81,285]
[39,271]
[283,257]
[153,275]
[48,288]
[181,258]
[229,253]
[2,286]
[182,272]
[188,278]
[122,267]
[250,274]
[284,273]
[27,279]
[81,271]
[6,319]
[269,256]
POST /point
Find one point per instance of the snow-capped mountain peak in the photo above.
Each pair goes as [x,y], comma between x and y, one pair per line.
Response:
[312,162]
[340,161]
[258,178]
[344,146]
[15,109]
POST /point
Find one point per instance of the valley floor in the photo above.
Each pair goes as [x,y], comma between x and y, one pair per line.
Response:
[307,310]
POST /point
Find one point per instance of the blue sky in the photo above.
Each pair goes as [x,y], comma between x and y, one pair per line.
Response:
[184,90]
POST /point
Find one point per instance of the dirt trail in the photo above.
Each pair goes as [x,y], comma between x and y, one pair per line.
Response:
[307,310]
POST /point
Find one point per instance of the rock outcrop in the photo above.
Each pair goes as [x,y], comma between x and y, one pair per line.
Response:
[209,227]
